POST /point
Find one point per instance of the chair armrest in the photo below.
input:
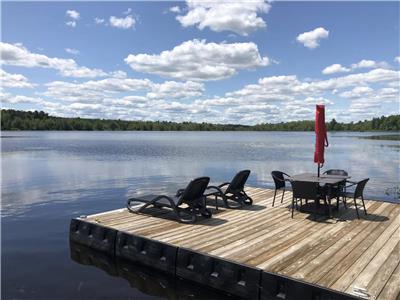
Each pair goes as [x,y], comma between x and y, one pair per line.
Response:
[352,183]
[223,184]
[179,192]
[212,187]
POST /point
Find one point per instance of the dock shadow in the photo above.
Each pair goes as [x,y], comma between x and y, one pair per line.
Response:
[221,206]
[169,215]
[343,215]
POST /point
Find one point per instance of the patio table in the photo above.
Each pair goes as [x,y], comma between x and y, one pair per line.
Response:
[329,180]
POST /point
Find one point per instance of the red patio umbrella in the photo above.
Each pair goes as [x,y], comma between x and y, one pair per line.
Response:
[321,140]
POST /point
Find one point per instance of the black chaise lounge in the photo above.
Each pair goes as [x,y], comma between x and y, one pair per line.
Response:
[192,196]
[232,191]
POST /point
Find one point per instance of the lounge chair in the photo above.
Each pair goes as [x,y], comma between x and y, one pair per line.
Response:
[232,191]
[192,196]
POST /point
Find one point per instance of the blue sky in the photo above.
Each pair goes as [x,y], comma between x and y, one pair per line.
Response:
[236,62]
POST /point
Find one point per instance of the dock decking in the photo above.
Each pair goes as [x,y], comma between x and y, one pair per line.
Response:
[260,251]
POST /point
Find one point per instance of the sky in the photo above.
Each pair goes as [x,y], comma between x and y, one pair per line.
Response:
[242,62]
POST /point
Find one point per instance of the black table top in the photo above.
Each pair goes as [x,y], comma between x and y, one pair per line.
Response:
[323,179]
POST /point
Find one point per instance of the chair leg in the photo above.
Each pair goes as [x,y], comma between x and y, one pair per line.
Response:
[283,194]
[315,209]
[355,204]
[273,201]
[337,203]
[365,210]
[292,206]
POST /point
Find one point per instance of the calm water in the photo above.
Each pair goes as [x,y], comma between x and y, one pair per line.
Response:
[49,177]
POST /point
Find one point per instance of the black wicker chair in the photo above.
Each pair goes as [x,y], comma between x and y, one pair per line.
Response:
[232,191]
[339,190]
[358,193]
[305,190]
[280,183]
[192,196]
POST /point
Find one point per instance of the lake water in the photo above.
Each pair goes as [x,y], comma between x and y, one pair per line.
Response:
[50,177]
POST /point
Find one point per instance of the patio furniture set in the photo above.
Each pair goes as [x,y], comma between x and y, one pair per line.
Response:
[332,184]
[187,204]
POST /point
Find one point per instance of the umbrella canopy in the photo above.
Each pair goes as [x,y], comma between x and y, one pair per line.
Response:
[321,136]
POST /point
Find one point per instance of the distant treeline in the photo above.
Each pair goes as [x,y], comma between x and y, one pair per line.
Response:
[39,120]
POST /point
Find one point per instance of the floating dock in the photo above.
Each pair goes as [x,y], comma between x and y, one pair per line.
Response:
[260,252]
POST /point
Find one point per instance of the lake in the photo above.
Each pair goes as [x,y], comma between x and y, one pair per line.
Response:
[50,177]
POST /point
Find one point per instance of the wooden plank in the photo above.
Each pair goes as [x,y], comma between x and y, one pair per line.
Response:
[337,241]
[362,242]
[384,273]
[314,248]
[391,291]
[368,274]
[333,255]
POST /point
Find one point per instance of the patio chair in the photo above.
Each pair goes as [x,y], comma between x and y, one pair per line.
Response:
[192,196]
[280,183]
[232,191]
[305,190]
[339,190]
[358,193]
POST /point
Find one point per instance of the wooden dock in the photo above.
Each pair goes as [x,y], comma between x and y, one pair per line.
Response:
[260,252]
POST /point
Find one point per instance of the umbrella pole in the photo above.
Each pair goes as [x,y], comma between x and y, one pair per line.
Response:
[318,169]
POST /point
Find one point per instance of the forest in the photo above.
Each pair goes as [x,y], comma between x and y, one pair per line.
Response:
[39,120]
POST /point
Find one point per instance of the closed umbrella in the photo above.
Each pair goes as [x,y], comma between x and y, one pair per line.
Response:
[321,140]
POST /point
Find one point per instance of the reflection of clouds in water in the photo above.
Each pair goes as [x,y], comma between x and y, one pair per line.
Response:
[79,165]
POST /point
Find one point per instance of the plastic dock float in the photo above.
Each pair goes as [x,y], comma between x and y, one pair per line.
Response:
[260,252]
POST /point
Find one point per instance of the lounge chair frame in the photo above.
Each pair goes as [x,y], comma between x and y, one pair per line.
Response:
[234,191]
[192,196]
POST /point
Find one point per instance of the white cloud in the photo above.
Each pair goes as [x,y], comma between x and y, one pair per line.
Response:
[98,20]
[94,91]
[397,58]
[71,23]
[241,17]
[123,23]
[365,63]
[310,39]
[73,14]
[14,80]
[335,68]
[175,90]
[19,99]
[175,9]
[198,60]
[72,51]
[17,55]
[358,92]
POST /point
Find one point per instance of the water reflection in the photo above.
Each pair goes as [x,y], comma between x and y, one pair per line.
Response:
[146,280]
